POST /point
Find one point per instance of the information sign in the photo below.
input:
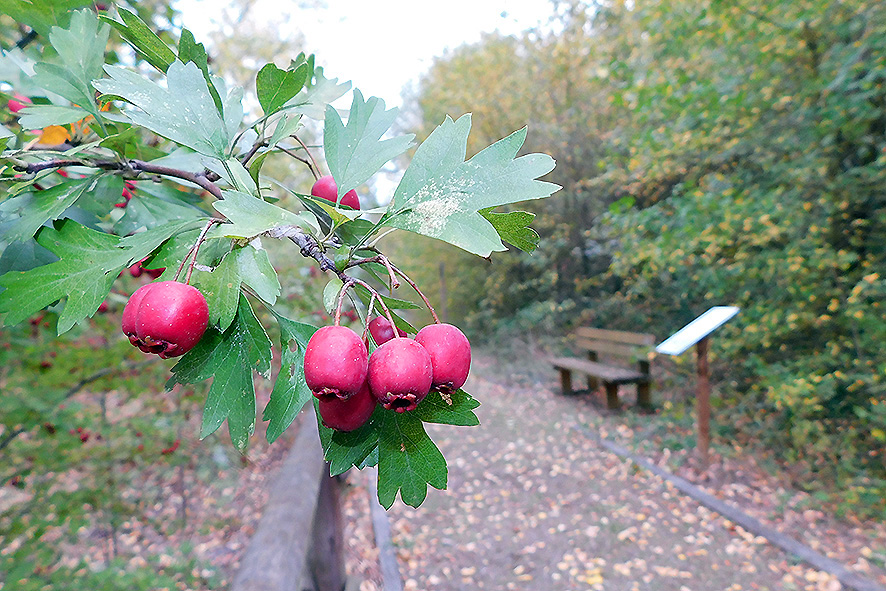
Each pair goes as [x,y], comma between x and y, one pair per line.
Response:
[696,330]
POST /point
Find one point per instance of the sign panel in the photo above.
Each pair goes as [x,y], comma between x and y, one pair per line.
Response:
[696,330]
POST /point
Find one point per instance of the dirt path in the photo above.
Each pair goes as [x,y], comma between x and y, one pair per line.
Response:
[534,504]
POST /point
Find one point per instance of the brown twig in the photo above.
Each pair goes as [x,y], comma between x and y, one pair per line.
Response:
[315,169]
[196,250]
[204,180]
[413,285]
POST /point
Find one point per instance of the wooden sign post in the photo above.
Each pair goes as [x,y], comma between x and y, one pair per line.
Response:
[697,333]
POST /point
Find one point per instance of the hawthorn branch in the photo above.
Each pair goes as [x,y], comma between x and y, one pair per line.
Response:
[204,180]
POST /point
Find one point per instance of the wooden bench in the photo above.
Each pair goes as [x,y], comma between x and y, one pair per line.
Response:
[597,341]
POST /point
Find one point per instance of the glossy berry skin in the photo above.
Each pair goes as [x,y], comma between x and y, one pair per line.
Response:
[350,414]
[381,330]
[450,353]
[18,102]
[400,374]
[336,363]
[166,318]
[325,188]
[130,311]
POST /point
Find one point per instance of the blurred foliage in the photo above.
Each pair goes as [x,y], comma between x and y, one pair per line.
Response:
[710,153]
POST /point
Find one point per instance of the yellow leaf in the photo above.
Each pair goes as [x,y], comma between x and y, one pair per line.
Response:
[54,134]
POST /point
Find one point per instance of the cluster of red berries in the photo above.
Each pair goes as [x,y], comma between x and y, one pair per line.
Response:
[399,374]
[167,318]
[138,269]
[325,188]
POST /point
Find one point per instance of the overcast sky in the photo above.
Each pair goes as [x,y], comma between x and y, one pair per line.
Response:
[381,45]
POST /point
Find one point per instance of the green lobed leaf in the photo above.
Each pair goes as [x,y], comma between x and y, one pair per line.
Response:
[42,15]
[290,391]
[286,126]
[312,100]
[230,358]
[81,51]
[221,287]
[346,449]
[440,195]
[458,409]
[275,87]
[191,51]
[139,245]
[183,111]
[408,461]
[24,256]
[138,34]
[88,264]
[513,228]
[35,209]
[330,294]
[250,216]
[40,116]
[355,152]
[155,204]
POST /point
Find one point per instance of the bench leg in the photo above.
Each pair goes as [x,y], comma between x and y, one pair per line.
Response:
[644,398]
[612,396]
[566,380]
[593,384]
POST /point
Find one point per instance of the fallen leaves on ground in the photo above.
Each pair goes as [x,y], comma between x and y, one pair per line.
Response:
[532,503]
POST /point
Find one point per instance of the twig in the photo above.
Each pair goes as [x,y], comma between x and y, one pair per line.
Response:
[201,179]
[341,300]
[424,298]
[315,169]
[196,250]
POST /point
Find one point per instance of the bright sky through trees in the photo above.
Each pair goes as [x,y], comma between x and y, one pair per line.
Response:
[381,46]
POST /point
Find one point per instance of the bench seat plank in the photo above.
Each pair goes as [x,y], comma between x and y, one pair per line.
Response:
[607,373]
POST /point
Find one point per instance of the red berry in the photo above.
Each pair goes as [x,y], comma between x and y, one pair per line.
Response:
[335,363]
[18,102]
[136,269]
[381,330]
[171,448]
[130,311]
[325,188]
[350,414]
[450,354]
[400,374]
[154,273]
[166,318]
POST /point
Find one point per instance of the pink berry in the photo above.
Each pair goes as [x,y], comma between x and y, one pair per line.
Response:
[18,102]
[350,414]
[335,363]
[130,311]
[450,353]
[325,188]
[381,330]
[169,318]
[400,374]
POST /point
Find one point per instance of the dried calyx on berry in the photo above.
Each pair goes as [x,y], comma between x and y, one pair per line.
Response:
[400,374]
[336,363]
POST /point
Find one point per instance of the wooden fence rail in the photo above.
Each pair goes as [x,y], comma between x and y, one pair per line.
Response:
[299,543]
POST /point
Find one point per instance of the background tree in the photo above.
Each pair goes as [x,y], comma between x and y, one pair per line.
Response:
[711,153]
